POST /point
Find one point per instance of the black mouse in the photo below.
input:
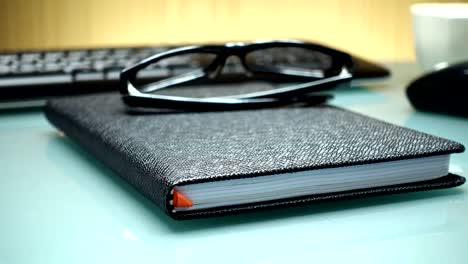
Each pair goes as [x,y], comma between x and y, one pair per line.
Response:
[444,90]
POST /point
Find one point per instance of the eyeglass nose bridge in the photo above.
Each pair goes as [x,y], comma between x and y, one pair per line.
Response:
[221,64]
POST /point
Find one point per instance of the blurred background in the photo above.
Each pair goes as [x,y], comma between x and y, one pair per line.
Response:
[379,30]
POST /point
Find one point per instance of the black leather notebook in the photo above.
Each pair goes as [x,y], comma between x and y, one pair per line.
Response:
[204,164]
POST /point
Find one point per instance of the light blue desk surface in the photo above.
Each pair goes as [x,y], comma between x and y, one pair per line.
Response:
[59,205]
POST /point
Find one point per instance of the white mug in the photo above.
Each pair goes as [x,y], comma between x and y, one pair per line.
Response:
[440,34]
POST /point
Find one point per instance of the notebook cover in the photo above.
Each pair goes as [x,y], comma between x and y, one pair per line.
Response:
[156,150]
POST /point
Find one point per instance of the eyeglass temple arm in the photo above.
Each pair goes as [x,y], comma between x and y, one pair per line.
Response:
[299,89]
[220,103]
[185,78]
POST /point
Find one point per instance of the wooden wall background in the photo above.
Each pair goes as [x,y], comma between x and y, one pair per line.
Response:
[376,29]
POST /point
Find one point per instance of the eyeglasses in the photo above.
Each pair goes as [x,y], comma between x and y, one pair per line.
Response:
[317,68]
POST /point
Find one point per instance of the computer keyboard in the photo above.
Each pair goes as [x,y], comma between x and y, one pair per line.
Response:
[37,75]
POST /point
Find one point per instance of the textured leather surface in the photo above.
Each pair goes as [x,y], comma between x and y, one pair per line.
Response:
[158,149]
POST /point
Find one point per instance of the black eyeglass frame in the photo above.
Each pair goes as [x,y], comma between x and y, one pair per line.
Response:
[338,73]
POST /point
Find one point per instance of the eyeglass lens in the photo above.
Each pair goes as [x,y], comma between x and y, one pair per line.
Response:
[173,66]
[290,60]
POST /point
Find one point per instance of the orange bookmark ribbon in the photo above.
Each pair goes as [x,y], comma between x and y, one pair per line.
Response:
[181,200]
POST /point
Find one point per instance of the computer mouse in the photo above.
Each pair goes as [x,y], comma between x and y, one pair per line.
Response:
[444,90]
